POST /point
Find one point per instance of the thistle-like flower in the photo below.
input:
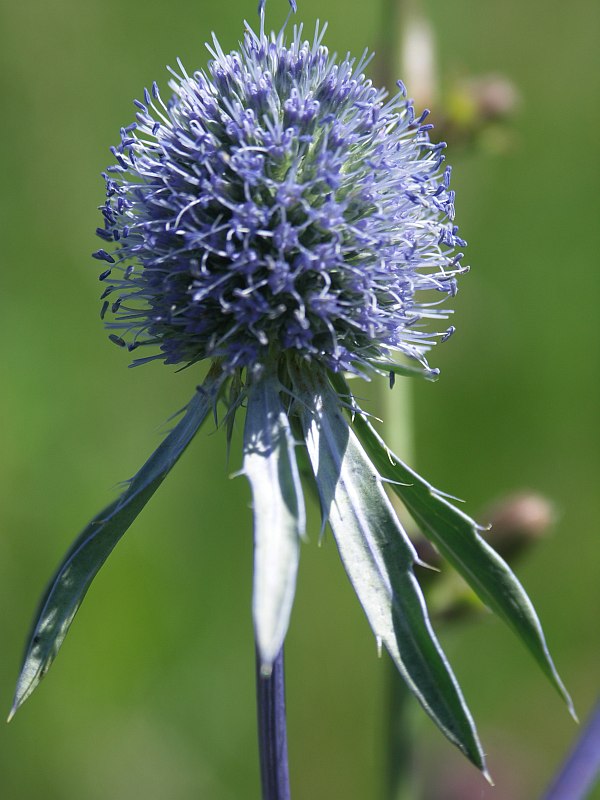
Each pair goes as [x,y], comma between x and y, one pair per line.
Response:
[278,208]
[282,218]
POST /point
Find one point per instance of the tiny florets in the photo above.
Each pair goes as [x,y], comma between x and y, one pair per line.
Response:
[278,204]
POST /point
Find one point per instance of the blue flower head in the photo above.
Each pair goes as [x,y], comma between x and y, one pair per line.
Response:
[278,206]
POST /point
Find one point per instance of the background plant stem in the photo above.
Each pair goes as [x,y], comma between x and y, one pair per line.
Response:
[400,775]
[396,410]
[272,732]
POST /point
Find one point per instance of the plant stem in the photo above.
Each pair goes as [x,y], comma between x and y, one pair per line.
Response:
[403,20]
[400,778]
[577,775]
[272,733]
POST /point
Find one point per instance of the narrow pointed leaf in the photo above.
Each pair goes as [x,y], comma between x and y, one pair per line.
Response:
[279,520]
[456,537]
[92,547]
[379,558]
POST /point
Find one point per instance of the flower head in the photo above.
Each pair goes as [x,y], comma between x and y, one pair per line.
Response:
[277,204]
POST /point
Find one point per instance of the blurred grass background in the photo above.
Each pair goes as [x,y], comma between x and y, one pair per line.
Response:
[153,694]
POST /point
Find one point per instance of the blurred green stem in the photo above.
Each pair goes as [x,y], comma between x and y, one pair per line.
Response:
[400,775]
[400,778]
[396,408]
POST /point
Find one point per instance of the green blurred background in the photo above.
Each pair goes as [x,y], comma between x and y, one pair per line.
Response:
[153,693]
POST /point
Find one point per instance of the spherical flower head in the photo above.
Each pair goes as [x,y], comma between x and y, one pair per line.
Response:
[278,206]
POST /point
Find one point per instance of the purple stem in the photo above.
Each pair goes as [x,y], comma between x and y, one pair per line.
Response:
[577,775]
[272,733]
